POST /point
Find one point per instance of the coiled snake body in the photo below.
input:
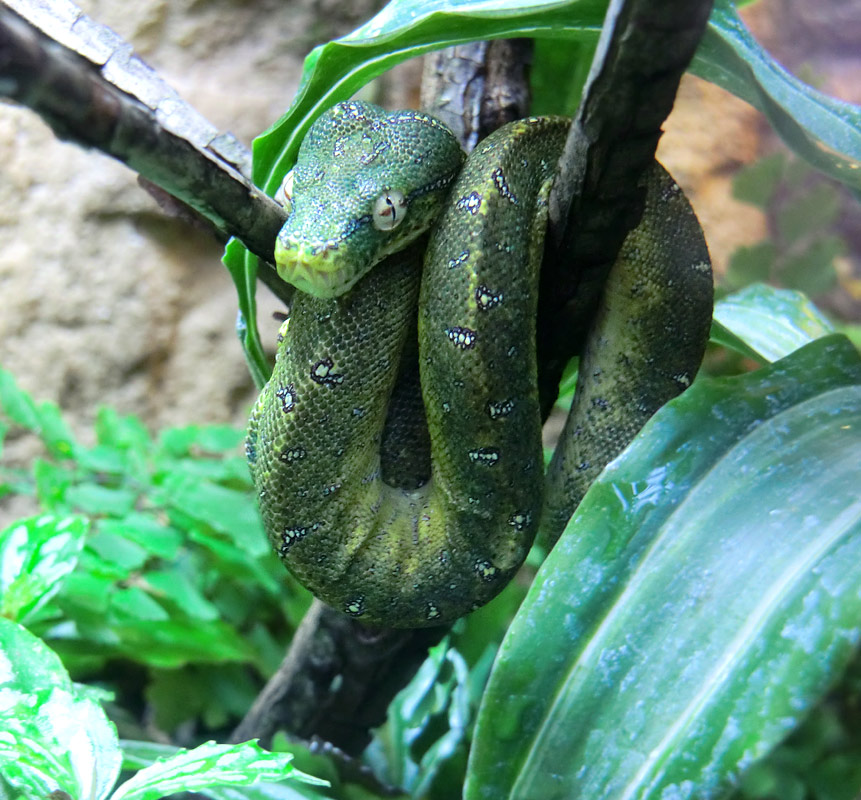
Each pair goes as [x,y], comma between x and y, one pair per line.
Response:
[408,506]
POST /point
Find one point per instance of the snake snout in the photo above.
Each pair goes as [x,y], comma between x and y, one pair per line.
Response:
[313,267]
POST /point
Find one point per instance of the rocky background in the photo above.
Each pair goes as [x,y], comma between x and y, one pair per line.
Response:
[107,300]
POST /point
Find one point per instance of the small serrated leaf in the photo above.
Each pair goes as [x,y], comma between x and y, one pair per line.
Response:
[36,554]
[208,765]
[52,735]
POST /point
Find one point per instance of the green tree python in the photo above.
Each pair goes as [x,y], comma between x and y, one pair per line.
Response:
[396,449]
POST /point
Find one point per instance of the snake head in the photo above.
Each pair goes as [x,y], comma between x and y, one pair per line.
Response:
[366,184]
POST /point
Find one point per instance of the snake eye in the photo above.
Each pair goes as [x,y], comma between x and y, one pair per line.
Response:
[389,210]
[284,193]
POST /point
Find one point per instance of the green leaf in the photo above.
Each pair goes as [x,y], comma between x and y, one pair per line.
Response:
[125,433]
[103,458]
[143,529]
[93,498]
[36,555]
[824,131]
[178,641]
[135,603]
[208,765]
[243,267]
[757,182]
[137,755]
[52,736]
[766,323]
[209,438]
[175,586]
[119,550]
[225,510]
[27,664]
[812,271]
[751,264]
[43,419]
[703,598]
[549,94]
[52,483]
[809,211]
[17,404]
[404,28]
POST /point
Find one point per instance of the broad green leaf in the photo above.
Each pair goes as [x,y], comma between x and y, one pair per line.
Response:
[36,554]
[208,765]
[226,510]
[93,498]
[52,735]
[766,323]
[729,56]
[159,539]
[243,267]
[703,598]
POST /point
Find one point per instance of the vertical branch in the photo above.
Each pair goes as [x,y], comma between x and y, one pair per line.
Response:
[644,49]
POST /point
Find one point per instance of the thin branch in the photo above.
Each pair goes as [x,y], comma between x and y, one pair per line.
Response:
[94,91]
[645,48]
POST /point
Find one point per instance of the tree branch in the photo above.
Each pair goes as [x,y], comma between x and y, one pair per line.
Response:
[597,199]
[91,89]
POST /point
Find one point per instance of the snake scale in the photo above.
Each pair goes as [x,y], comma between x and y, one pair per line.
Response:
[396,449]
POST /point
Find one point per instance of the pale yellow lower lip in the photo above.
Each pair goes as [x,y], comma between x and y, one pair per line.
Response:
[315,273]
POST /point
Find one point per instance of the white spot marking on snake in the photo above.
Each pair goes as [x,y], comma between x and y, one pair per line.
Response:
[485,570]
[470,202]
[463,338]
[287,396]
[486,298]
[498,177]
[500,409]
[487,456]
